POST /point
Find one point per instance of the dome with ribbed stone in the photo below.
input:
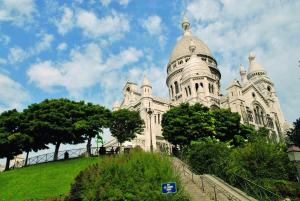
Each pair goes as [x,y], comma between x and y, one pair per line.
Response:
[181,48]
[195,66]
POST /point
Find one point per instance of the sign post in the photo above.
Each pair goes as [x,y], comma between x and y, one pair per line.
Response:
[169,187]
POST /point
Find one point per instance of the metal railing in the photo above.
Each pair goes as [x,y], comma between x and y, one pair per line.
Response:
[256,190]
[215,192]
[72,153]
[250,188]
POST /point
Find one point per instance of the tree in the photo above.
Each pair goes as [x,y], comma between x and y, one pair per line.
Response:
[125,124]
[93,118]
[183,124]
[36,141]
[53,121]
[11,140]
[227,124]
[294,133]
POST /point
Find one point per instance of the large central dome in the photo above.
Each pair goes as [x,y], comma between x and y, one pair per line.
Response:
[181,48]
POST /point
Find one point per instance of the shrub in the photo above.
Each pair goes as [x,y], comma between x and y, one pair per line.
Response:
[208,157]
[135,176]
[261,159]
[282,187]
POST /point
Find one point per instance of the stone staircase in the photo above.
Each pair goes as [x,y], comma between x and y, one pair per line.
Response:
[207,187]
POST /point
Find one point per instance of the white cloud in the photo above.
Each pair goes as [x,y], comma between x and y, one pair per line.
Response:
[269,29]
[44,44]
[130,55]
[105,2]
[62,46]
[17,55]
[154,26]
[4,39]
[17,11]
[204,9]
[124,2]
[12,94]
[2,61]
[113,26]
[66,22]
[84,69]
[121,2]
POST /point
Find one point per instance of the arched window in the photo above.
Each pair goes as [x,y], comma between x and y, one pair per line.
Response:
[176,87]
[212,89]
[190,92]
[172,92]
[201,84]
[186,92]
[196,86]
[259,114]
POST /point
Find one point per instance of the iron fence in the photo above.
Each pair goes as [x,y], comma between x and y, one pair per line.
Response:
[72,153]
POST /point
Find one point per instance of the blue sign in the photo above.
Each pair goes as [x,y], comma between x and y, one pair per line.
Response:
[169,187]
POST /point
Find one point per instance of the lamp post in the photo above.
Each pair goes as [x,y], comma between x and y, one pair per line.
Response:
[150,112]
[294,156]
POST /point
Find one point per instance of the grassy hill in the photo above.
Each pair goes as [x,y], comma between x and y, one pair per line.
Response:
[41,181]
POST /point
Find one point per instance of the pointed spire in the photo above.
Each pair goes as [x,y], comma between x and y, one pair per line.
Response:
[146,82]
[185,25]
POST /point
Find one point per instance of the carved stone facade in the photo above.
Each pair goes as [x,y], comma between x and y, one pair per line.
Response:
[193,76]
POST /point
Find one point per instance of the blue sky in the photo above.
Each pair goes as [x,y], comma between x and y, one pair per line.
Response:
[87,49]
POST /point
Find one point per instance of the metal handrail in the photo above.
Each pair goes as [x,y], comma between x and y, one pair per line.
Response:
[217,189]
[261,193]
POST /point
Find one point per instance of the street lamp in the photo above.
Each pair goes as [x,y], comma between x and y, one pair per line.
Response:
[150,112]
[294,156]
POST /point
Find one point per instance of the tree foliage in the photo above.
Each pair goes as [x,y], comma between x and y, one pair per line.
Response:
[125,124]
[12,141]
[53,122]
[92,119]
[185,123]
[227,124]
[294,133]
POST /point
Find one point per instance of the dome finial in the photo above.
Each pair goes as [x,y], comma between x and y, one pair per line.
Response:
[251,56]
[185,23]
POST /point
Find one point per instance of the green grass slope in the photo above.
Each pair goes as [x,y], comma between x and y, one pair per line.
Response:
[41,181]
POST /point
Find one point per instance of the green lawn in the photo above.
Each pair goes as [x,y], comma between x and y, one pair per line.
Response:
[41,181]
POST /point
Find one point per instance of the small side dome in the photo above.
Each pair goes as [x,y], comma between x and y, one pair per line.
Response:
[253,65]
[195,66]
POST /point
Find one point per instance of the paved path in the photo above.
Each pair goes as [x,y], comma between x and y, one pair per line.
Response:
[214,188]
[189,186]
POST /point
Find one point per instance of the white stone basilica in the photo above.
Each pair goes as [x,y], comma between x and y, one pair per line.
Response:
[193,76]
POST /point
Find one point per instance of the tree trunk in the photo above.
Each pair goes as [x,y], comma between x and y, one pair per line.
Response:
[26,159]
[7,163]
[56,151]
[88,146]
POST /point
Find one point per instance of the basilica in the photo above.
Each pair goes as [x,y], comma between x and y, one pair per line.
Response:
[193,77]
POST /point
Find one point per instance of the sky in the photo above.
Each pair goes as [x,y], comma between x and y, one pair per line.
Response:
[88,49]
